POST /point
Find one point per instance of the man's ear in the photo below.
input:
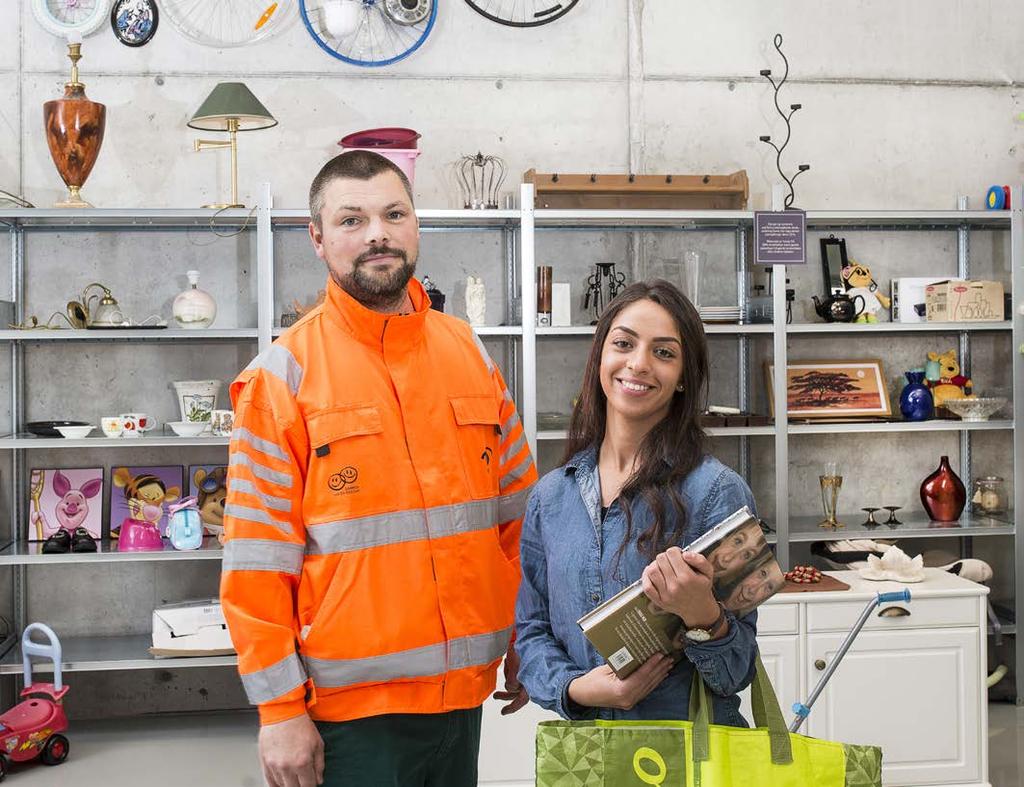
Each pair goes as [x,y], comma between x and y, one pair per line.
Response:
[316,237]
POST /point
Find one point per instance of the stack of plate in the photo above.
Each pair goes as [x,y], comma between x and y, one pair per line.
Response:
[719,313]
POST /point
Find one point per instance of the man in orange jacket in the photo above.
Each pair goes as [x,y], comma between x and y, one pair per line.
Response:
[377,478]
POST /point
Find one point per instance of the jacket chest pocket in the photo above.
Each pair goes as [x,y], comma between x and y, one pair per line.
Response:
[479,435]
[345,448]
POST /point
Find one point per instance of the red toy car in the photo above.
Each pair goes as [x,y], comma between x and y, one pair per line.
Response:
[33,727]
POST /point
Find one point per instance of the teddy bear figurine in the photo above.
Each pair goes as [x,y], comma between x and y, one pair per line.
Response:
[950,384]
[858,281]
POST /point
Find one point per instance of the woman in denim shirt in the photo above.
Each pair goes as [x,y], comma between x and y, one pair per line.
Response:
[637,483]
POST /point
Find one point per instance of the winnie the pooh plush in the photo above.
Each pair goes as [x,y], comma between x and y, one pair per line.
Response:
[858,281]
[951,384]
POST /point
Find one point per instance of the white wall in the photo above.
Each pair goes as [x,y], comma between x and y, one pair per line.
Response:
[905,104]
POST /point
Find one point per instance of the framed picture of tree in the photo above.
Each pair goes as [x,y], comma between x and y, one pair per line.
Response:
[833,389]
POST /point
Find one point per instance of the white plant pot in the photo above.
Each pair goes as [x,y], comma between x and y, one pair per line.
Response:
[197,399]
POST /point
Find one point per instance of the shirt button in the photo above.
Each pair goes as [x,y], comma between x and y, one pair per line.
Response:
[595,597]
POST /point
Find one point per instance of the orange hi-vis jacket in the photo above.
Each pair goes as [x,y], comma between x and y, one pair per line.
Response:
[377,478]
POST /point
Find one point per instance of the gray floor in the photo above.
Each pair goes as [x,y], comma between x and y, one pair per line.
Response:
[219,749]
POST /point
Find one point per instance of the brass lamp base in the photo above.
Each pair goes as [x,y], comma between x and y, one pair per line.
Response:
[224,205]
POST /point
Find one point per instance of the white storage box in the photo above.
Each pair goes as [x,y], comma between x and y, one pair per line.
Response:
[191,628]
[908,293]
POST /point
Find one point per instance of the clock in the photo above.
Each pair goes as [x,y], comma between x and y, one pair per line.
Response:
[61,17]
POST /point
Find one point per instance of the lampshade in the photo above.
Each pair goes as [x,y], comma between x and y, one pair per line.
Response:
[231,100]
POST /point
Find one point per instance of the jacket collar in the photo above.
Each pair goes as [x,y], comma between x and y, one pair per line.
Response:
[368,325]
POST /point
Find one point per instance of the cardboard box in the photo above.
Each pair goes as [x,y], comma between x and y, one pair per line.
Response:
[191,628]
[907,293]
[957,300]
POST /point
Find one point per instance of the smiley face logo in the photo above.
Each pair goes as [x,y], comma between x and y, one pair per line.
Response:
[349,474]
[335,482]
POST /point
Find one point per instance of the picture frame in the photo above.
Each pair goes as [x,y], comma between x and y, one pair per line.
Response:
[208,484]
[833,260]
[833,389]
[64,497]
[143,493]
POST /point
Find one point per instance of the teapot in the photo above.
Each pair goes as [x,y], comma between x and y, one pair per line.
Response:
[838,307]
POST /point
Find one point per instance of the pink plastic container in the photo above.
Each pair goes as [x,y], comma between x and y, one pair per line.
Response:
[404,159]
[138,536]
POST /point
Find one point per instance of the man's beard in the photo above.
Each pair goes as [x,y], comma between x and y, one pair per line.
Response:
[378,289]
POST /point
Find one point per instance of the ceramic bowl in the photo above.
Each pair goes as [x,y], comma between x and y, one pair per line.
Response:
[188,428]
[75,432]
[978,409]
[49,428]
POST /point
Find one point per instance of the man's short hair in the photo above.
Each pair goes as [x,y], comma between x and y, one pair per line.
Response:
[355,164]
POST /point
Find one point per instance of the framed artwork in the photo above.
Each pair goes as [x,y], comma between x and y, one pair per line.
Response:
[833,389]
[208,484]
[143,493]
[65,498]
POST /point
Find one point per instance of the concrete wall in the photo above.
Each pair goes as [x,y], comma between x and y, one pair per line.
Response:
[905,105]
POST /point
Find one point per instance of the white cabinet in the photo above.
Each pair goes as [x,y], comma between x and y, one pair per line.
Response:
[913,684]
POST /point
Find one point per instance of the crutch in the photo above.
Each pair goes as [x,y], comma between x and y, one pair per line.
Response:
[802,710]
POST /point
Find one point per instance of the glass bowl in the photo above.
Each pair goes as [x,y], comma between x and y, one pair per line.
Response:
[979,408]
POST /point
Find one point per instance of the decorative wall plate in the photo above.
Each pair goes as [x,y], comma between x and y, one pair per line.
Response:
[61,17]
[134,21]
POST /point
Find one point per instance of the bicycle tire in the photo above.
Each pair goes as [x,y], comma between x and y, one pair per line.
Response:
[228,23]
[59,25]
[543,16]
[374,14]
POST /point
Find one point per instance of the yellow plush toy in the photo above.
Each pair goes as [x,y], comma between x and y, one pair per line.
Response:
[858,281]
[951,384]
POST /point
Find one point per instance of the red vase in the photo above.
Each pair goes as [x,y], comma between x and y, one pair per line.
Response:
[943,494]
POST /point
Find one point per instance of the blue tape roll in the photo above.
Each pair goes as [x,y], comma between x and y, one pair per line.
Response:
[996,198]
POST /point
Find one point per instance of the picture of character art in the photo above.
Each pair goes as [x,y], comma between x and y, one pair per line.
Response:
[209,485]
[65,509]
[858,281]
[140,494]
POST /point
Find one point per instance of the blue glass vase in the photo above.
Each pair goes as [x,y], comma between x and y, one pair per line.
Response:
[916,401]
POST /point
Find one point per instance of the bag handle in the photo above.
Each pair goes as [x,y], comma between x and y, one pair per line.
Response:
[767,713]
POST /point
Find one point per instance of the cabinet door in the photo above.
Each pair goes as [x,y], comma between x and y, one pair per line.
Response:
[781,661]
[914,693]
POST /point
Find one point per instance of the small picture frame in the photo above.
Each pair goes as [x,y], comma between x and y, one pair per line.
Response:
[833,260]
[64,497]
[208,484]
[833,389]
[143,493]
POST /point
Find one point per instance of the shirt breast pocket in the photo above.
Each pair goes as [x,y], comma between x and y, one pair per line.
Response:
[479,436]
[344,460]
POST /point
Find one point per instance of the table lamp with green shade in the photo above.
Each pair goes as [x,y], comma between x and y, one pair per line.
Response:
[230,107]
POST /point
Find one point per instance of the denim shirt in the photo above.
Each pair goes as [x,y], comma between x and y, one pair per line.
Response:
[569,566]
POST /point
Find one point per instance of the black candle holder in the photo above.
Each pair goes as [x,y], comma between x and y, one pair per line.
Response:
[801,168]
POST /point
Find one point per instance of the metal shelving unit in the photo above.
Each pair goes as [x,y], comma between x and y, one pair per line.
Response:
[29,553]
[519,230]
[100,654]
[914,525]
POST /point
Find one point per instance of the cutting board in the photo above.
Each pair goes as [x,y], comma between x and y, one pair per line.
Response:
[827,583]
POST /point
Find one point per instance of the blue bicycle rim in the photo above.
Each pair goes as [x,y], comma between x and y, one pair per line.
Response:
[367,63]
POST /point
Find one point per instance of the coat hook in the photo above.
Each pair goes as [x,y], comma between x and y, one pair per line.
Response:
[668,178]
[593,178]
[554,178]
[632,178]
[707,179]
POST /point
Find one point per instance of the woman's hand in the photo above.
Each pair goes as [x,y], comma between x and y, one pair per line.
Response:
[601,688]
[680,582]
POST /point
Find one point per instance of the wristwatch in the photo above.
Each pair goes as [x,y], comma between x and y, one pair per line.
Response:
[704,635]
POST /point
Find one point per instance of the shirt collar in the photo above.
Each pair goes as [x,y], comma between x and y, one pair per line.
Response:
[368,325]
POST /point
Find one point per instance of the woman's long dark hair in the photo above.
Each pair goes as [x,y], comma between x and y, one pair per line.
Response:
[675,445]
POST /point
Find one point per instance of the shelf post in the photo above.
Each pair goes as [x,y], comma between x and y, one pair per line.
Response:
[528,314]
[1017,291]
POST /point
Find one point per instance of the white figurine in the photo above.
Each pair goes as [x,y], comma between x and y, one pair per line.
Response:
[896,565]
[476,301]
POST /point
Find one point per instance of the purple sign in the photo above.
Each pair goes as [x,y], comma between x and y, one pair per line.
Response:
[780,237]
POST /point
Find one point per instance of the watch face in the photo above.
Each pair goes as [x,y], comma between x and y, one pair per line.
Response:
[698,635]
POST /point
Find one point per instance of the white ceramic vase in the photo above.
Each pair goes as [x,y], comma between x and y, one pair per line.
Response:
[194,308]
[197,399]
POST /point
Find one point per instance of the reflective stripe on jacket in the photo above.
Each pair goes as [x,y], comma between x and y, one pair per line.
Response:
[377,478]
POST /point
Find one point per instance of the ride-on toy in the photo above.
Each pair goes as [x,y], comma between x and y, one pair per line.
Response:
[33,727]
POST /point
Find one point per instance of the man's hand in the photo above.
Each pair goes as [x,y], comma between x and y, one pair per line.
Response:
[515,693]
[292,753]
[601,688]
[680,582]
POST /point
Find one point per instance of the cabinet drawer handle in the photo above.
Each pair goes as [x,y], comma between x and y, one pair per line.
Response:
[819,664]
[894,612]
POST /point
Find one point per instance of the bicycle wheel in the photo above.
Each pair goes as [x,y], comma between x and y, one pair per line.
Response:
[522,13]
[61,17]
[229,23]
[369,33]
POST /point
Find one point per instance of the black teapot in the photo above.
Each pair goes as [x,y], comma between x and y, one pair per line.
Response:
[838,307]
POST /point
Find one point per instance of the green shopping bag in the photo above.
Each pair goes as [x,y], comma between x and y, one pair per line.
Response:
[699,753]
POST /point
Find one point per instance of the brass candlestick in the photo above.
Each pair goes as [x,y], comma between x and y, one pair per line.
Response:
[74,128]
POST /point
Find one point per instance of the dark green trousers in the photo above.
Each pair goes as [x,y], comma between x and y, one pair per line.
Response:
[403,750]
